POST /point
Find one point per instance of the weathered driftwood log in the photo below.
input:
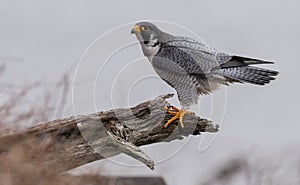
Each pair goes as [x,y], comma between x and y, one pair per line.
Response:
[68,143]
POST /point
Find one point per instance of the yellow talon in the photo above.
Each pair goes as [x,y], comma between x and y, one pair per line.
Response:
[178,114]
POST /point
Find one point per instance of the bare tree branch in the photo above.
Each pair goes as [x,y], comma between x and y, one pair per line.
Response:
[71,142]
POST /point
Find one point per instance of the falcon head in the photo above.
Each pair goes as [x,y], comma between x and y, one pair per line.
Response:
[147,33]
[149,36]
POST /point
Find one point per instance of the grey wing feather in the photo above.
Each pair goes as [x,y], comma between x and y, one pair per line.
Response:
[176,60]
[203,54]
[206,67]
[209,58]
[173,62]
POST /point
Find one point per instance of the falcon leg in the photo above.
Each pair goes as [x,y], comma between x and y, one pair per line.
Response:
[178,113]
[172,109]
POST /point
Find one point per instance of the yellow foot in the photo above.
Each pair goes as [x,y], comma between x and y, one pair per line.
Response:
[178,113]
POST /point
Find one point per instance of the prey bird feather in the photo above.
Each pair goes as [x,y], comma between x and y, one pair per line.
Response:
[193,68]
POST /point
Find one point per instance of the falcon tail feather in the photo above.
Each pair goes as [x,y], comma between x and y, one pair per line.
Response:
[239,69]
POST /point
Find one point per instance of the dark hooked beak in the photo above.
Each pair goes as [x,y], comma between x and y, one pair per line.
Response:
[135,30]
[132,31]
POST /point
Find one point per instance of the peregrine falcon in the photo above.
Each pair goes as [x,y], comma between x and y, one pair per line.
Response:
[193,68]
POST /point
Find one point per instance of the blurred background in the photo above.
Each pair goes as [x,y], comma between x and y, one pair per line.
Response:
[44,45]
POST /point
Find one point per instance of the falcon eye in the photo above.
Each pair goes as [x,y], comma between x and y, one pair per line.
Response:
[145,28]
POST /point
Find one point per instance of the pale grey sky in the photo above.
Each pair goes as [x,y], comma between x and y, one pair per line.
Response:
[49,37]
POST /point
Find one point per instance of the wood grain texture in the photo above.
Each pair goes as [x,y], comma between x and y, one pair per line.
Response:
[71,142]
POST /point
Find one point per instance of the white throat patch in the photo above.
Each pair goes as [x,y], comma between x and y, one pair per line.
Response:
[150,48]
